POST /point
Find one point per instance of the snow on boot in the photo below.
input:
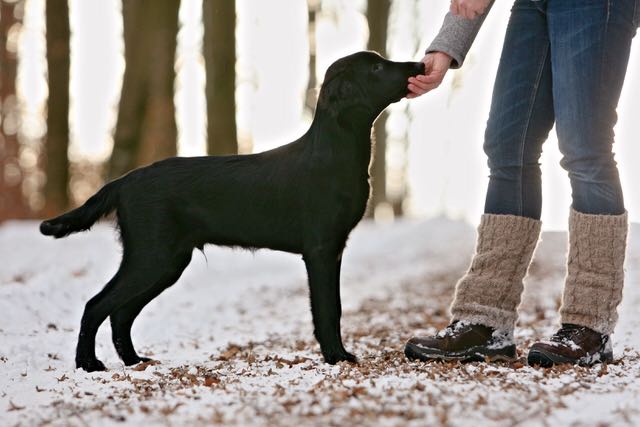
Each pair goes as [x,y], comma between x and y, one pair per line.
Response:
[573,344]
[463,342]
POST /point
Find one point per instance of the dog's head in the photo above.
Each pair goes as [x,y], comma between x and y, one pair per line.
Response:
[359,86]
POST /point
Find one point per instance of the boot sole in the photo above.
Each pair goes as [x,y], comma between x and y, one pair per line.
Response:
[474,354]
[546,359]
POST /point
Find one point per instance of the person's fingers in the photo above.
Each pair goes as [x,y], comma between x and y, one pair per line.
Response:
[415,86]
[463,11]
[466,9]
[428,67]
[474,12]
[471,14]
[421,83]
[436,66]
[454,8]
[418,86]
[428,63]
[469,11]
[423,86]
[415,91]
[434,77]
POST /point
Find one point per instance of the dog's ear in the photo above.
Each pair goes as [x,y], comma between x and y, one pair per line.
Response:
[341,96]
[344,93]
[342,99]
[335,94]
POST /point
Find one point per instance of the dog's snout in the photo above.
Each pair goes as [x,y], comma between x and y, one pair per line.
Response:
[419,67]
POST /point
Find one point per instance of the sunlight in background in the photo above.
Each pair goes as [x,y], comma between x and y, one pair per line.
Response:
[447,171]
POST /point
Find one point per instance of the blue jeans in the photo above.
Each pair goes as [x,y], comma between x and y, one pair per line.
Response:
[563,62]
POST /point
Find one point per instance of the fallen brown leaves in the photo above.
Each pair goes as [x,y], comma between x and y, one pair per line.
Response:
[282,380]
[14,407]
[144,365]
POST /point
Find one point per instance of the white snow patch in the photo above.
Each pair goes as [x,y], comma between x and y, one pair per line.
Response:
[234,339]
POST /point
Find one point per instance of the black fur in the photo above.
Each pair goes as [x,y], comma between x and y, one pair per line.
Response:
[304,197]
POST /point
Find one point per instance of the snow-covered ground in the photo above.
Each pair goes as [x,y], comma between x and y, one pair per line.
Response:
[234,339]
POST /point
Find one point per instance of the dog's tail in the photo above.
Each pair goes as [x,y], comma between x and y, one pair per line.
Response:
[82,218]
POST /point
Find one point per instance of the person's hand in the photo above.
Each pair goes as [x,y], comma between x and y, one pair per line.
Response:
[436,65]
[469,9]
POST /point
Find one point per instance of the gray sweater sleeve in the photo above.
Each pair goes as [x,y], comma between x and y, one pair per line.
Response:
[456,36]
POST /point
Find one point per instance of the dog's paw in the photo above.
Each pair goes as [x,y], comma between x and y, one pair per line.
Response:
[333,357]
[90,365]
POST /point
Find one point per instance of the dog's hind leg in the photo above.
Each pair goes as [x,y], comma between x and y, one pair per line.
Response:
[123,317]
[323,269]
[139,271]
[96,310]
[121,322]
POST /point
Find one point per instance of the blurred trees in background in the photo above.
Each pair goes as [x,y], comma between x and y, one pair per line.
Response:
[311,96]
[378,18]
[219,17]
[145,129]
[55,160]
[13,203]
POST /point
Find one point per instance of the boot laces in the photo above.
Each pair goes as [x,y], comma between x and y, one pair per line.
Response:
[569,334]
[568,331]
[454,327]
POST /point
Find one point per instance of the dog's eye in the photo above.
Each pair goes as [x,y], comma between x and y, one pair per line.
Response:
[376,67]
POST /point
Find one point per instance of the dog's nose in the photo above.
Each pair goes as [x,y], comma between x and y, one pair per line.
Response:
[419,66]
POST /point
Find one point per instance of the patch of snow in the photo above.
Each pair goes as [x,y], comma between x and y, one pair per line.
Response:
[235,344]
[502,338]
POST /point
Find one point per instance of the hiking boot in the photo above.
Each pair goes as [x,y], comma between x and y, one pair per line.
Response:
[573,344]
[463,342]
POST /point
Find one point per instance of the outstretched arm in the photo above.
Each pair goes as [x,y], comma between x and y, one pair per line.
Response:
[460,28]
[450,47]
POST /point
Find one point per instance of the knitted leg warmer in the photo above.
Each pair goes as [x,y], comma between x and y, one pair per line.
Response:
[489,293]
[595,274]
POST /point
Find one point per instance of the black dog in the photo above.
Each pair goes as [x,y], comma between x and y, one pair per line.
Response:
[304,197]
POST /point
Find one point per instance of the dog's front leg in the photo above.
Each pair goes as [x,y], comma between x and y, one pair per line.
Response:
[323,269]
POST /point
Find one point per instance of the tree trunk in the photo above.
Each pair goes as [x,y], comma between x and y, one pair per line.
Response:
[378,17]
[219,18]
[126,139]
[160,134]
[313,7]
[146,126]
[12,200]
[56,162]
